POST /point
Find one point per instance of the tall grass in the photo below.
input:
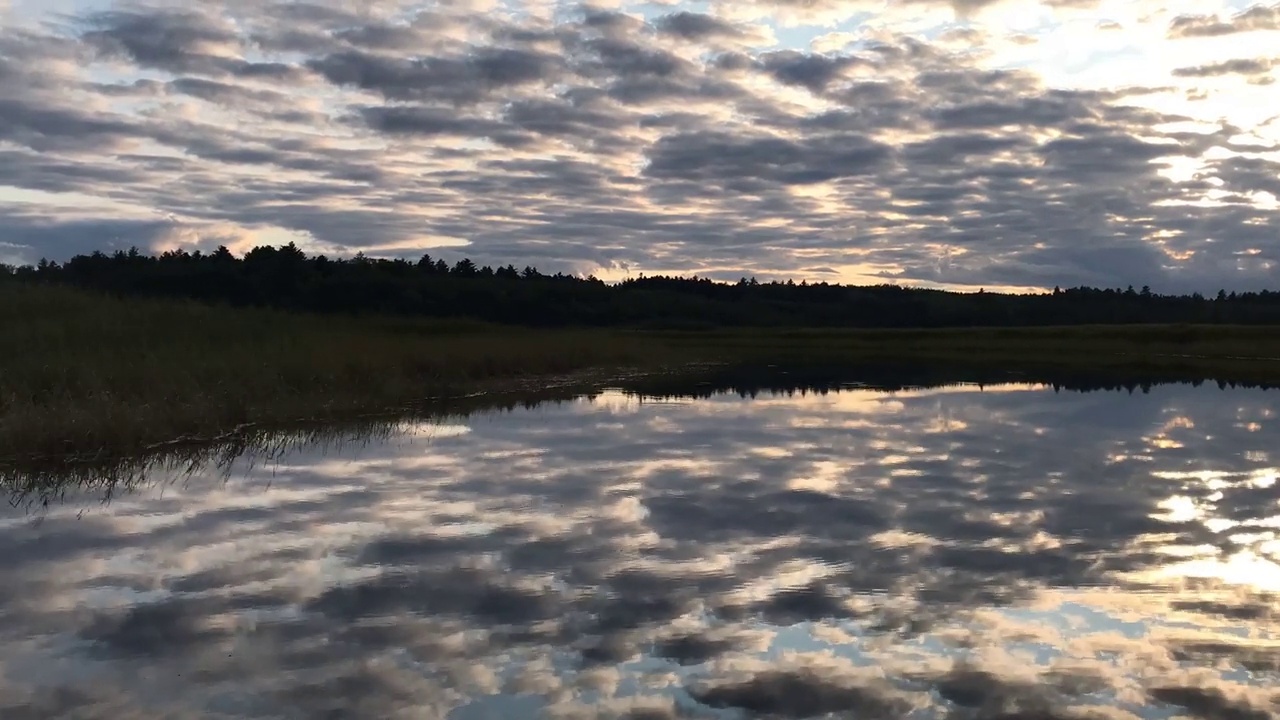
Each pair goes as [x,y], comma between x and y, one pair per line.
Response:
[85,376]
[89,374]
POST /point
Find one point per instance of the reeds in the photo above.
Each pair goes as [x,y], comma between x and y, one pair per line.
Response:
[84,376]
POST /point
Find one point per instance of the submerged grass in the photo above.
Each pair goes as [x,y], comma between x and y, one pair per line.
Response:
[87,378]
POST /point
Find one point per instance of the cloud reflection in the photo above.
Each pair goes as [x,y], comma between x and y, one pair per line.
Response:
[955,552]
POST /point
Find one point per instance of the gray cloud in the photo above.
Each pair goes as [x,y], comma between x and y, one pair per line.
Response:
[1242,66]
[1249,174]
[1256,17]
[814,72]
[178,42]
[996,114]
[697,26]
[602,140]
[226,93]
[425,121]
[172,40]
[718,158]
[70,236]
[459,80]
[46,127]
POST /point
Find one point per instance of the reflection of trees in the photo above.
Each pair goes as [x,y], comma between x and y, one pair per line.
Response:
[904,375]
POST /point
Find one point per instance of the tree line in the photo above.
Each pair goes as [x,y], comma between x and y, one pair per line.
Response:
[286,277]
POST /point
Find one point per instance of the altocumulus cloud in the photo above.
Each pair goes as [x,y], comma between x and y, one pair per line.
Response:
[942,143]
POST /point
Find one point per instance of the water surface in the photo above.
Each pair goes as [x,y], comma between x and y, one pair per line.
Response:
[957,552]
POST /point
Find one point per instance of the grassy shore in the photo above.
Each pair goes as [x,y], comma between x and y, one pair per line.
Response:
[97,374]
[87,376]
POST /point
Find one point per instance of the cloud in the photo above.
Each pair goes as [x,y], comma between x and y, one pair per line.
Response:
[456,80]
[595,140]
[397,120]
[801,695]
[697,26]
[814,72]
[70,236]
[1246,66]
[44,127]
[1255,18]
[721,158]
[178,41]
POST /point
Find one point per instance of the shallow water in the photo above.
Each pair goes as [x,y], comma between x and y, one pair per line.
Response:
[955,552]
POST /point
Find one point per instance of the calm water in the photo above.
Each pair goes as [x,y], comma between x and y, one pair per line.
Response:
[952,552]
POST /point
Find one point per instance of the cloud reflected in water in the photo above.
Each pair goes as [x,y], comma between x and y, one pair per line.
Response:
[1003,552]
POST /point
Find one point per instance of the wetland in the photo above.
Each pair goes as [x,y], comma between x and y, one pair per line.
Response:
[887,542]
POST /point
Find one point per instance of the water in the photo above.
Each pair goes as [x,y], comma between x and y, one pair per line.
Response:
[954,552]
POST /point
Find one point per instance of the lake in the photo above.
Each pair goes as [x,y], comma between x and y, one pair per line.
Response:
[997,551]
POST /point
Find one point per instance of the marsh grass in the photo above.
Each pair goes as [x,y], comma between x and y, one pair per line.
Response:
[90,379]
[102,478]
[87,374]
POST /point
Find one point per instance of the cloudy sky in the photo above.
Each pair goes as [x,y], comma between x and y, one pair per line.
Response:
[963,143]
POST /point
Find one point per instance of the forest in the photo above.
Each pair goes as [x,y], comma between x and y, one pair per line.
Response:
[287,278]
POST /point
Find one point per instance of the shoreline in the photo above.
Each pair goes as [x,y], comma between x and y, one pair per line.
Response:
[43,477]
[98,377]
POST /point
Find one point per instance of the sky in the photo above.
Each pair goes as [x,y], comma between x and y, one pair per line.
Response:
[1003,144]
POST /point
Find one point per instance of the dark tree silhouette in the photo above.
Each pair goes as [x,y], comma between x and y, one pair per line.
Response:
[285,277]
